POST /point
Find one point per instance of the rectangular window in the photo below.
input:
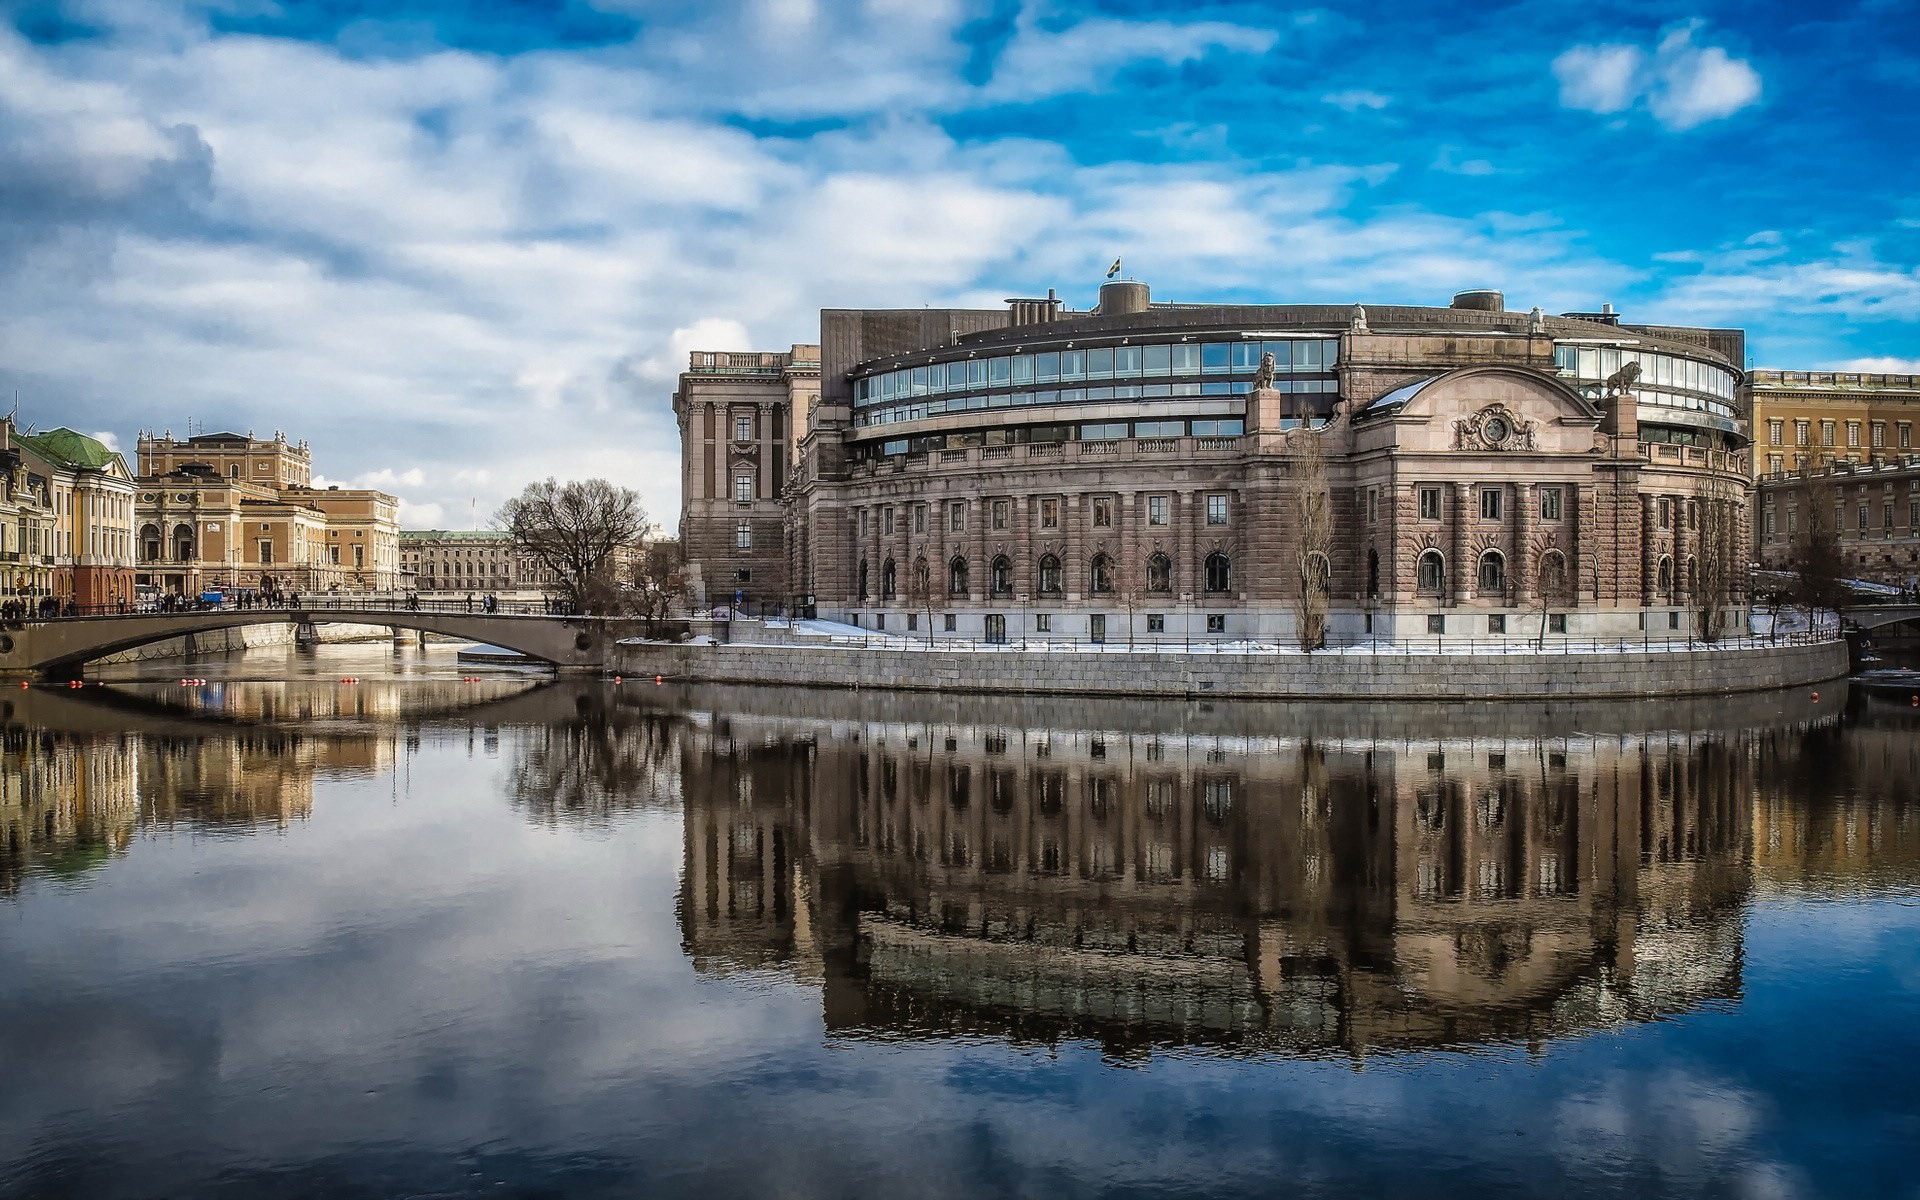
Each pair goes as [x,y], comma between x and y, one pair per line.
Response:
[1666,513]
[1556,622]
[1879,435]
[999,514]
[1913,516]
[743,536]
[1429,504]
[956,516]
[1864,510]
[913,622]
[1043,622]
[1673,620]
[1886,515]
[1156,623]
[266,550]
[1436,623]
[1551,503]
[1373,505]
[1049,514]
[1490,504]
[1826,434]
[1497,623]
[886,521]
[1769,524]
[1776,463]
[1156,510]
[743,428]
[743,488]
[1776,433]
[1097,629]
[1216,622]
[1905,431]
[919,518]
[948,622]
[1853,435]
[1800,433]
[1216,508]
[1103,512]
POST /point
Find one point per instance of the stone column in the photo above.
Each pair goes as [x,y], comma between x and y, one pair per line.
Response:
[1024,517]
[1186,572]
[1526,497]
[763,443]
[1073,540]
[1458,568]
[1649,549]
[980,570]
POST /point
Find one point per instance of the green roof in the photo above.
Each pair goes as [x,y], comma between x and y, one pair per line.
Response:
[70,448]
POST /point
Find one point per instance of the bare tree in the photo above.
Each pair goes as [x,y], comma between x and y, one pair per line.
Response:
[657,578]
[1553,584]
[1718,561]
[1818,567]
[1313,497]
[920,590]
[576,530]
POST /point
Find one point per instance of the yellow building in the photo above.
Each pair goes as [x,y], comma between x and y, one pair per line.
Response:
[26,522]
[1807,419]
[91,492]
[231,511]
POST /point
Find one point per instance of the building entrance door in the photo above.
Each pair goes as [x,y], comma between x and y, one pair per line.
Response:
[1097,628]
[997,629]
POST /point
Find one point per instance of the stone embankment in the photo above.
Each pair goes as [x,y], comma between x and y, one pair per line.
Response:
[1340,675]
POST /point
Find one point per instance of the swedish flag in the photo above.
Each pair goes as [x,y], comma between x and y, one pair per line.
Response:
[1114,269]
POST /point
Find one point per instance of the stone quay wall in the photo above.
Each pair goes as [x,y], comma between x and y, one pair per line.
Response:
[1327,676]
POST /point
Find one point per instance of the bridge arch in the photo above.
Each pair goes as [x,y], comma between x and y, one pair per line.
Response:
[64,645]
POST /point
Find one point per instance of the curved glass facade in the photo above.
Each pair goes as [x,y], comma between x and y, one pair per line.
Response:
[1094,375]
[1666,380]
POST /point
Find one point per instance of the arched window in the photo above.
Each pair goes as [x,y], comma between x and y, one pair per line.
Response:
[957,577]
[886,580]
[150,548]
[1000,577]
[1100,575]
[1665,584]
[183,543]
[1159,574]
[1552,577]
[1493,574]
[863,579]
[1432,572]
[1218,575]
[1319,573]
[1373,573]
[1049,575]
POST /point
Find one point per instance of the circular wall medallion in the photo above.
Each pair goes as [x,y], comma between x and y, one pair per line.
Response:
[1496,430]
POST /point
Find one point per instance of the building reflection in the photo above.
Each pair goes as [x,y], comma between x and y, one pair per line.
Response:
[67,804]
[1257,893]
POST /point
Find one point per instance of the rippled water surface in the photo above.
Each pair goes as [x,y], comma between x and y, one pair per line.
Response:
[285,935]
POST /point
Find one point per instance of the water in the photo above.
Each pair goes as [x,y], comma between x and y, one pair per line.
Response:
[284,935]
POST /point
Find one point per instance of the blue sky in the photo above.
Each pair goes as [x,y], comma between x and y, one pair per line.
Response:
[457,246]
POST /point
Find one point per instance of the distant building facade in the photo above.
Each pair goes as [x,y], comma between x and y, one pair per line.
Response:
[66,518]
[738,413]
[470,560]
[1812,419]
[1872,511]
[1135,473]
[235,511]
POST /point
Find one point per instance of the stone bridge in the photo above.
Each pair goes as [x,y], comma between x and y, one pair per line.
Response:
[61,646]
[1876,616]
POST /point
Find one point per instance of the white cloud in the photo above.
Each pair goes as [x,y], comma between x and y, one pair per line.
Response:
[108,439]
[1882,364]
[1682,83]
[1695,84]
[1354,101]
[1602,79]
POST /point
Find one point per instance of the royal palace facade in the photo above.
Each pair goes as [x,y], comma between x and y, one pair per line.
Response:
[1150,471]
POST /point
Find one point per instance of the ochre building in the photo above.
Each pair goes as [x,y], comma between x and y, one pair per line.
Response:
[1809,419]
[1154,472]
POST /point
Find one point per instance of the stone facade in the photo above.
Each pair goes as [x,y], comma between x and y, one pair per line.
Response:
[1137,473]
[86,524]
[737,414]
[470,560]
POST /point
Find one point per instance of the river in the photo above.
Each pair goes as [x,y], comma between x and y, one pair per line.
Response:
[364,922]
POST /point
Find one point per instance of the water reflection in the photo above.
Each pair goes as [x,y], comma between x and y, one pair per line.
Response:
[1069,876]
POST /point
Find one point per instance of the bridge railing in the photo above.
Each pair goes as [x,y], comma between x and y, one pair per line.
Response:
[26,609]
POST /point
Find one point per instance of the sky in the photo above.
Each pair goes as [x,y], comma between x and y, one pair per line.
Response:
[459,246]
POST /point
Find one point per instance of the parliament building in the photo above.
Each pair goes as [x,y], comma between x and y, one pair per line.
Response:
[1150,472]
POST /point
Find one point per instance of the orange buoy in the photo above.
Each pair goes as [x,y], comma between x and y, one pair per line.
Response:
[656,679]
[1816,697]
[616,679]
